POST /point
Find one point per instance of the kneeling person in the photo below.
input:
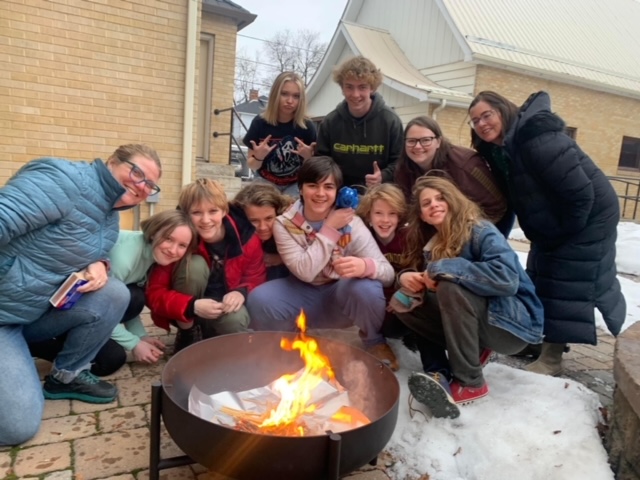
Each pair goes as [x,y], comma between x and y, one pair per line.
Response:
[205,297]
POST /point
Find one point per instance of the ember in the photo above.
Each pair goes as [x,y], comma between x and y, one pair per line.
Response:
[308,402]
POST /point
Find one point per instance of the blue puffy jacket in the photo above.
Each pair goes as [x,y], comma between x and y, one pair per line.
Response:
[56,217]
[488,267]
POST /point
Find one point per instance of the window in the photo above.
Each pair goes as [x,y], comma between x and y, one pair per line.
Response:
[630,153]
[570,132]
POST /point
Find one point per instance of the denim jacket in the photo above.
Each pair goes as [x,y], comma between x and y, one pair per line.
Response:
[488,267]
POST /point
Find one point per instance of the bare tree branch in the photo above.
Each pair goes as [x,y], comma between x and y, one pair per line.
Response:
[300,51]
[245,76]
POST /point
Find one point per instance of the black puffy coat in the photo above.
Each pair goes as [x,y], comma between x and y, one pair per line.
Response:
[569,211]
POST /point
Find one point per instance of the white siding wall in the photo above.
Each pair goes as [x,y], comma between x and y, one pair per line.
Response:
[412,111]
[457,76]
[329,94]
[418,27]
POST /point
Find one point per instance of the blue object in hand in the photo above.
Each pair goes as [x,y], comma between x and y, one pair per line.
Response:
[348,198]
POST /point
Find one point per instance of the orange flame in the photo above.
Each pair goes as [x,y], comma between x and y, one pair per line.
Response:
[296,389]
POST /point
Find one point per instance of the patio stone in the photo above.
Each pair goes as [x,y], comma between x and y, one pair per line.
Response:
[111,454]
[43,459]
[62,429]
[125,418]
[61,475]
[136,391]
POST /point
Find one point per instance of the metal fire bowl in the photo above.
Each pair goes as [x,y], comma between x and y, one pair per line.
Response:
[248,360]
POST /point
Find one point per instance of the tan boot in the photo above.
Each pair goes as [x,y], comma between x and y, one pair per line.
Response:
[550,360]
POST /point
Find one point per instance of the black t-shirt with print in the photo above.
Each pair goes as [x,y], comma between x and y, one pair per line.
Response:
[281,165]
[216,285]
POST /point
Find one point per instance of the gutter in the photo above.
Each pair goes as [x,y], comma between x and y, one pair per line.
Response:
[443,104]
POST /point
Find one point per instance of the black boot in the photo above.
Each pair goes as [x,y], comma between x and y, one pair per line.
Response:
[186,337]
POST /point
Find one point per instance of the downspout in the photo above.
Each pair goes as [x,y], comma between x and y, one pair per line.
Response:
[443,104]
[189,91]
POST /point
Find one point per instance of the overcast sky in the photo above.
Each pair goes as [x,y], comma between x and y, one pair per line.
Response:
[276,15]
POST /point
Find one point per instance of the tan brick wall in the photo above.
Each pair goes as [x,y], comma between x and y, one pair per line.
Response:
[224,31]
[80,77]
[601,119]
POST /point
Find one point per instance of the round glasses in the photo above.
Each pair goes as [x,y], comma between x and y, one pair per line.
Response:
[485,117]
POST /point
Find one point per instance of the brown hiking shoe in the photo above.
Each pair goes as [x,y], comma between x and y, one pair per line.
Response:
[383,352]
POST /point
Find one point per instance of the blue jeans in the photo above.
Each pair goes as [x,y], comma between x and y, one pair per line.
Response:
[275,305]
[88,326]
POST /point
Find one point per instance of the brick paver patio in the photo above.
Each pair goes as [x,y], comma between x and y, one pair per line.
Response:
[80,441]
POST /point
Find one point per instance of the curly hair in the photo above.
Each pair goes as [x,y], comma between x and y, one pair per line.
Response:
[359,68]
[454,232]
[386,192]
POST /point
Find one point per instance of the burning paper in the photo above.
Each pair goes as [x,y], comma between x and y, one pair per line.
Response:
[307,402]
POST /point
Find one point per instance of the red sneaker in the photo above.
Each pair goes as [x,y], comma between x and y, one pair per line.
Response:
[485,356]
[462,394]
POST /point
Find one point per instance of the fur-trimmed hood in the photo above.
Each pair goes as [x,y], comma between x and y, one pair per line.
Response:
[534,119]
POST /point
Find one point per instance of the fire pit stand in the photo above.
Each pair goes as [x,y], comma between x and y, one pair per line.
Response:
[156,463]
[242,361]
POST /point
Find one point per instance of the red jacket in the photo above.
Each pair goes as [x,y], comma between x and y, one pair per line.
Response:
[243,270]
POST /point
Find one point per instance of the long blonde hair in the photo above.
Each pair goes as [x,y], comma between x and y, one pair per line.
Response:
[270,114]
[455,231]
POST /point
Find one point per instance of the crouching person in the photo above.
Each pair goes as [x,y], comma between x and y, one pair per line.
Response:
[58,217]
[469,295]
[337,270]
[205,297]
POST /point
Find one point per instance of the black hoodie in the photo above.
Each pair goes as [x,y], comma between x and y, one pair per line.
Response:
[355,143]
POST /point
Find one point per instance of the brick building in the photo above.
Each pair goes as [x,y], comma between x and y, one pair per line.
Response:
[435,55]
[80,77]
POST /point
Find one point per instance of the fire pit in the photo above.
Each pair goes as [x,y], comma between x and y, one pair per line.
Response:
[248,360]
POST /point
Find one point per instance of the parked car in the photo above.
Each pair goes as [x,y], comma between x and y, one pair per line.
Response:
[238,157]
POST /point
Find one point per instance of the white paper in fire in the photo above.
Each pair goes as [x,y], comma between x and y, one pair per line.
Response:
[333,414]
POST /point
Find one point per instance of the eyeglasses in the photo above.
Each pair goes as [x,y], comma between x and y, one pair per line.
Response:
[424,141]
[485,117]
[137,175]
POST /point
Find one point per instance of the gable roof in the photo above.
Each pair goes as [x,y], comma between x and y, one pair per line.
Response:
[398,71]
[592,42]
[381,48]
[253,106]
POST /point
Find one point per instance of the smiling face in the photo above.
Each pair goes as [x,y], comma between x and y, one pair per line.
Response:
[433,207]
[207,218]
[173,248]
[135,192]
[289,101]
[384,221]
[486,122]
[319,198]
[262,218]
[418,153]
[357,93]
